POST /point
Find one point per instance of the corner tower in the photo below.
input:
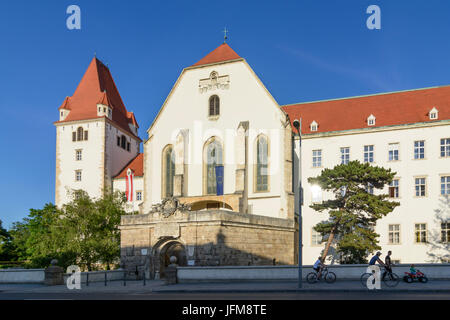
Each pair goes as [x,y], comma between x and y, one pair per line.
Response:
[95,136]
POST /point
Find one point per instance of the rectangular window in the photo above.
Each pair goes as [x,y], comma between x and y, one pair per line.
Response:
[78,175]
[420,184]
[369,188]
[445,185]
[421,232]
[345,155]
[316,238]
[419,149]
[138,195]
[78,155]
[317,158]
[394,189]
[74,136]
[118,141]
[128,146]
[85,135]
[445,147]
[445,232]
[394,234]
[368,154]
[393,151]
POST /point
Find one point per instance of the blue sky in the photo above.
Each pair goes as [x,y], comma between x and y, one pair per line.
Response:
[302,50]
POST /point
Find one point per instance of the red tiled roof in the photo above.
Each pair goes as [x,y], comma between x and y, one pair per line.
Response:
[97,86]
[220,54]
[137,165]
[394,108]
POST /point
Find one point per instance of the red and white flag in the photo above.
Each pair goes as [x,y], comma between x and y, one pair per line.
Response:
[129,182]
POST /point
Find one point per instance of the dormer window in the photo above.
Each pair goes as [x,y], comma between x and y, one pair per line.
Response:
[313,126]
[433,114]
[371,120]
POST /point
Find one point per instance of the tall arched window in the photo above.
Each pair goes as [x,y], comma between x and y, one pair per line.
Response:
[262,168]
[168,171]
[214,106]
[80,134]
[212,158]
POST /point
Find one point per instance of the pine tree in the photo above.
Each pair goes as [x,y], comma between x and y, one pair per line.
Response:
[353,212]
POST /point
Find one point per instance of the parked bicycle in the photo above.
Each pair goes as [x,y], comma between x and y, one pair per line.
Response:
[390,279]
[326,275]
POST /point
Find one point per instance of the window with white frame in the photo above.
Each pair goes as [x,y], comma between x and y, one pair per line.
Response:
[345,155]
[394,188]
[445,232]
[317,158]
[421,233]
[313,126]
[371,120]
[394,234]
[445,185]
[316,238]
[316,194]
[368,153]
[78,155]
[138,195]
[419,149]
[369,188]
[393,151]
[420,186]
[445,147]
[77,175]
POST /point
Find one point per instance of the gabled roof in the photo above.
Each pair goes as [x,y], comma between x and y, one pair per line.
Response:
[136,165]
[97,86]
[395,108]
[220,54]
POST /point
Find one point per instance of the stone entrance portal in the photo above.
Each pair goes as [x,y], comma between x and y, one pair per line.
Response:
[165,249]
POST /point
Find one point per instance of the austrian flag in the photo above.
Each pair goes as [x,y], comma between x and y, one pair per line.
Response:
[129,182]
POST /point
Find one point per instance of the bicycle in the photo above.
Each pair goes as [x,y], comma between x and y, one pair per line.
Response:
[390,279]
[326,275]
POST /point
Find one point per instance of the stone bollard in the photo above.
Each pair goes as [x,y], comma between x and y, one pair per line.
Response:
[171,271]
[54,274]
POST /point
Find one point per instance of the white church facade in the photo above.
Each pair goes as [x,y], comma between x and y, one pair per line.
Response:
[218,180]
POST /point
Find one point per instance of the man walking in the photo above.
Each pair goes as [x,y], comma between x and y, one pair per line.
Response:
[387,264]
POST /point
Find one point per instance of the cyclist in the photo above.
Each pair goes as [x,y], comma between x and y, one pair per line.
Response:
[387,264]
[375,259]
[318,266]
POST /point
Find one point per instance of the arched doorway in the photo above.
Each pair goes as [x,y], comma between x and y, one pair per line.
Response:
[167,249]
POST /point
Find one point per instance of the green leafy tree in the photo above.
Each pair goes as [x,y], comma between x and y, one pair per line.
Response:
[353,212]
[7,252]
[92,228]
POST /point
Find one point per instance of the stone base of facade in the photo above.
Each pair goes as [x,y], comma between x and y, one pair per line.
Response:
[204,238]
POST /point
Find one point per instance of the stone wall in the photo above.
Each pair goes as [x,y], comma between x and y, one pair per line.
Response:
[209,238]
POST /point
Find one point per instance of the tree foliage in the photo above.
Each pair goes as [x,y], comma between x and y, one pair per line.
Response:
[83,232]
[353,215]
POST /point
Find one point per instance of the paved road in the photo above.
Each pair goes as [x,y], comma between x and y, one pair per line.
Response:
[228,296]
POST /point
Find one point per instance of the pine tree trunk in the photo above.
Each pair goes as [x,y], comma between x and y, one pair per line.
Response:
[330,240]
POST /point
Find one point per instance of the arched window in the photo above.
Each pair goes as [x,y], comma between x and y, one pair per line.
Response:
[262,168]
[212,158]
[80,134]
[214,106]
[168,171]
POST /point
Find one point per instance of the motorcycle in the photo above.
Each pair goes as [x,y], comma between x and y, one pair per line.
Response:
[419,276]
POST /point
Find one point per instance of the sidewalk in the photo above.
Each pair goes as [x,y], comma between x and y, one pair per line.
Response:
[158,286]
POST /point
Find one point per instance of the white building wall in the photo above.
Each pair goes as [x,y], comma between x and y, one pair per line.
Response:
[412,209]
[91,165]
[138,184]
[187,108]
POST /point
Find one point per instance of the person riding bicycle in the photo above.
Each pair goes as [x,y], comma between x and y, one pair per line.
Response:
[375,259]
[387,264]
[318,266]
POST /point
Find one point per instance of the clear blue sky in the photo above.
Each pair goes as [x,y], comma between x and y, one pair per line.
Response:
[302,51]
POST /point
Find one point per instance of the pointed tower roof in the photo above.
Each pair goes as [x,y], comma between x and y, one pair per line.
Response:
[97,86]
[220,54]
